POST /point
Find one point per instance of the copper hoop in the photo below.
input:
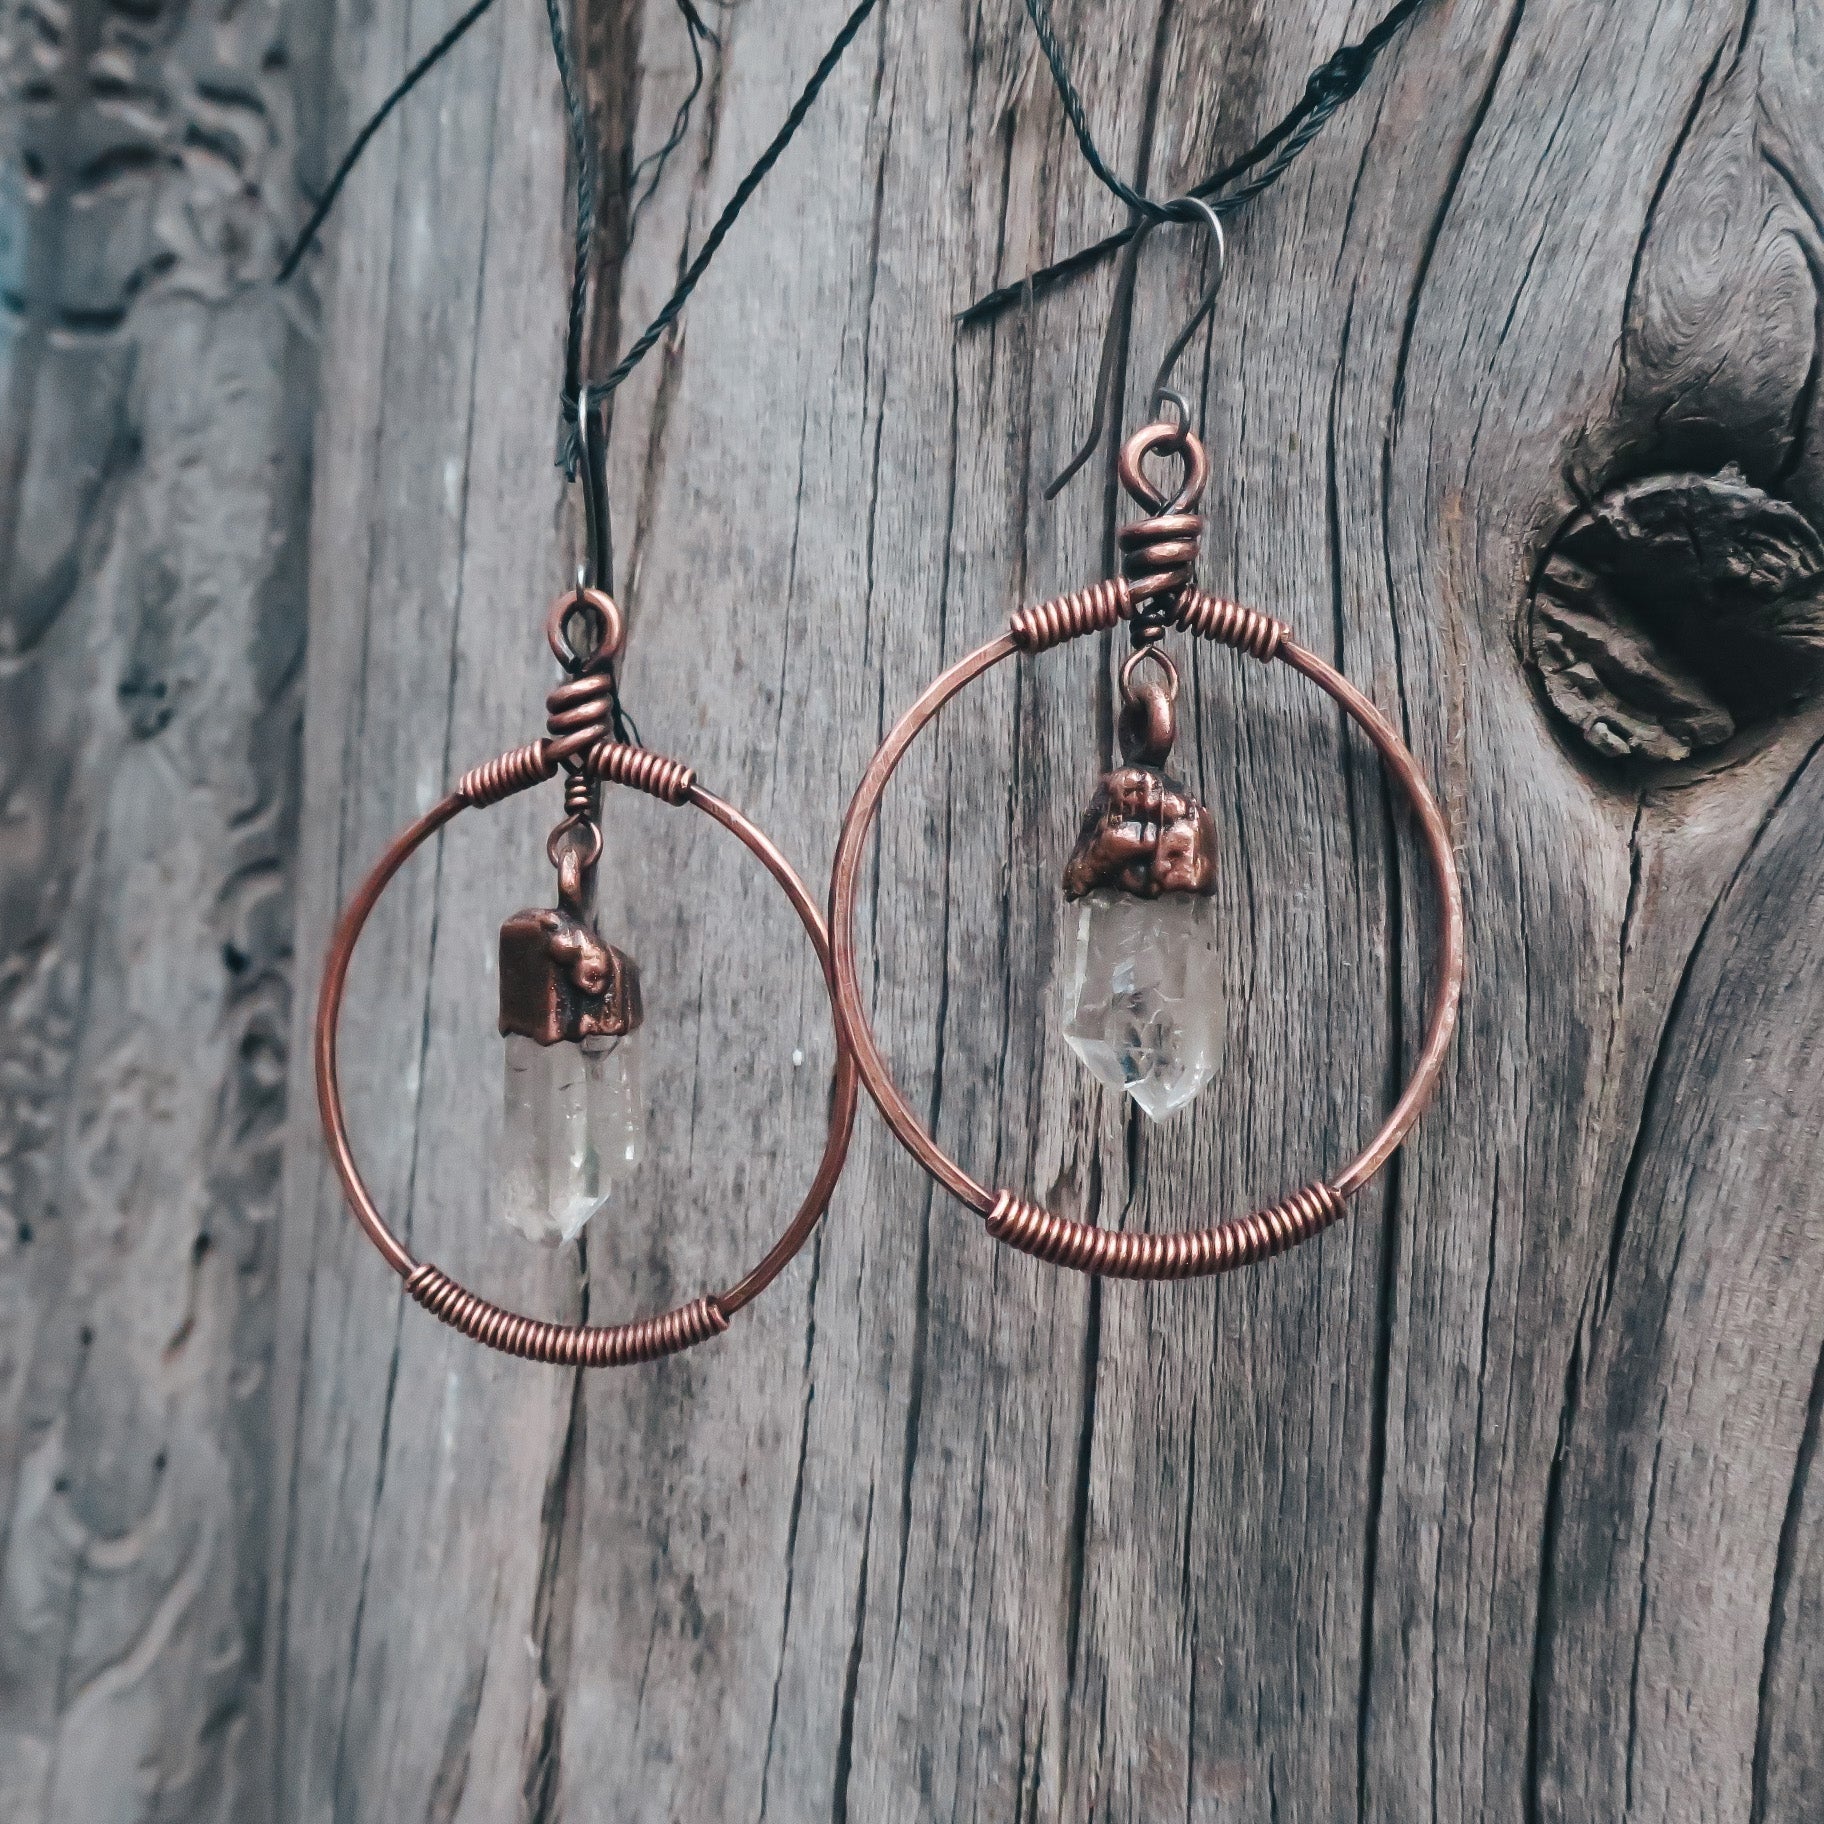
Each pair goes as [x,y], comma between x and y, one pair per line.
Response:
[1021,1222]
[574,1345]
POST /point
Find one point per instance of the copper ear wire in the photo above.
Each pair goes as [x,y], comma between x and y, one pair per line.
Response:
[1018,1221]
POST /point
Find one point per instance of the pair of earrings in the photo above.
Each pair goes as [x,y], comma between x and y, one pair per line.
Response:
[1142,877]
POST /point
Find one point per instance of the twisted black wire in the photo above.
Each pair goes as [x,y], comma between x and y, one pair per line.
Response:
[1328,87]
[600,389]
[570,447]
[582,150]
[699,33]
[1039,12]
[327,201]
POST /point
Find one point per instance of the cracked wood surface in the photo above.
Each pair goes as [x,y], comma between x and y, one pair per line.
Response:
[1500,1500]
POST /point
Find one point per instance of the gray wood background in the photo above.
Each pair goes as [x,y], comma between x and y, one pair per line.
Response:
[1498,1502]
[155,418]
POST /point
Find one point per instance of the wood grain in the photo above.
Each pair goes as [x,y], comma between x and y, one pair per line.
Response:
[154,466]
[1500,1500]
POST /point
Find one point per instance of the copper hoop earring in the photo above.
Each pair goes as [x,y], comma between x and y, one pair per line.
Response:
[558,980]
[1146,837]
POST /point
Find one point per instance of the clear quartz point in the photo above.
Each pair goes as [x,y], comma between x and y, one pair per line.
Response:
[573,1131]
[1142,1006]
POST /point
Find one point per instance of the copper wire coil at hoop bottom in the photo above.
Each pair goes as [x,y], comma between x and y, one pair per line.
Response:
[573,1345]
[1178,1254]
[1018,1221]
[534,1339]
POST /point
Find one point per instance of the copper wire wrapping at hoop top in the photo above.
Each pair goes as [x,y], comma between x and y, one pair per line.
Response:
[1210,617]
[1159,551]
[613,762]
[641,770]
[514,771]
[1107,604]
[1018,1221]
[535,1339]
[1069,617]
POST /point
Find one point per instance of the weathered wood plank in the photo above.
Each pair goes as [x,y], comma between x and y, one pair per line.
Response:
[1495,1502]
[153,474]
[478,1440]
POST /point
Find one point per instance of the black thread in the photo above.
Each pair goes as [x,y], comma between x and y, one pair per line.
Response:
[577,396]
[580,143]
[320,213]
[594,394]
[1329,86]
[1039,12]
[600,390]
[699,34]
[582,151]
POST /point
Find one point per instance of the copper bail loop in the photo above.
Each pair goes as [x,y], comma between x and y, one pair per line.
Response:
[570,880]
[577,841]
[1159,552]
[1168,679]
[1148,724]
[578,711]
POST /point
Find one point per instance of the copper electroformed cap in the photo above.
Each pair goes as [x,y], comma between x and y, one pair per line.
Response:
[1023,1222]
[580,1345]
[1144,832]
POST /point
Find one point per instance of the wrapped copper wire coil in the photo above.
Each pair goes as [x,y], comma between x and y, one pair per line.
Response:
[1159,551]
[564,1345]
[578,713]
[514,771]
[641,770]
[579,794]
[1068,617]
[1158,555]
[1179,1254]
[1211,617]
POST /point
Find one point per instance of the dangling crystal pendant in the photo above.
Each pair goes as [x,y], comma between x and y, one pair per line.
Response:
[570,1013]
[1143,1002]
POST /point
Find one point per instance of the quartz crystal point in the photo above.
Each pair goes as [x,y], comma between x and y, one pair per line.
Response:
[573,1131]
[1142,1006]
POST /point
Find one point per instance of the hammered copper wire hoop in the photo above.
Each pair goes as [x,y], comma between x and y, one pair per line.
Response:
[1021,1222]
[572,1345]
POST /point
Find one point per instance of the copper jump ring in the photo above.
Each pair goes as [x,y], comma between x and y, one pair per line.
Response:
[1157,656]
[577,1345]
[588,852]
[611,628]
[1019,1221]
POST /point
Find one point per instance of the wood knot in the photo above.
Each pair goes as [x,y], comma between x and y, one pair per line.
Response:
[1675,611]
